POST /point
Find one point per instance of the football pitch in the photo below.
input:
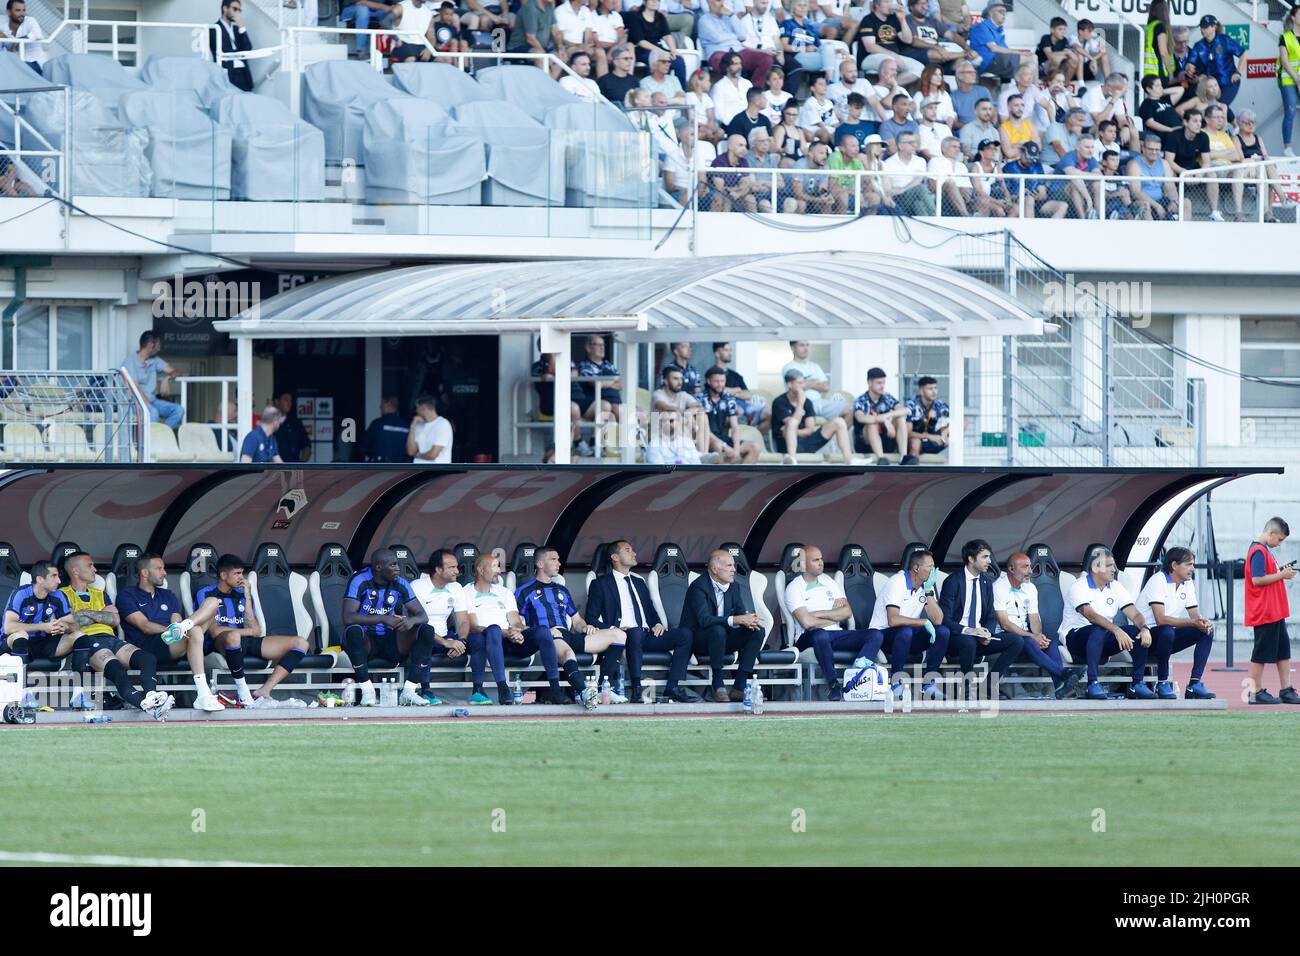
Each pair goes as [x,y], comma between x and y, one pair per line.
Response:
[1122,789]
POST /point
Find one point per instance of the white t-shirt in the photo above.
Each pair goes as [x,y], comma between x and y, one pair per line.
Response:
[677,449]
[932,137]
[429,435]
[573,25]
[1019,603]
[903,172]
[494,607]
[944,114]
[702,102]
[775,104]
[811,371]
[1037,109]
[415,21]
[1160,590]
[818,596]
[1107,602]
[606,26]
[438,603]
[1094,101]
[729,99]
[815,112]
[898,592]
[587,89]
[838,93]
[29,29]
[953,170]
[761,33]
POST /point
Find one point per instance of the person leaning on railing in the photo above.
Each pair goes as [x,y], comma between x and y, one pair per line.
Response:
[1254,152]
[905,179]
[1154,194]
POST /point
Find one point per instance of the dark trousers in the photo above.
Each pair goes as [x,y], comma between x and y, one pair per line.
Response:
[540,641]
[675,641]
[825,643]
[1097,644]
[1168,640]
[1002,646]
[1049,660]
[718,641]
[361,644]
[484,647]
[900,642]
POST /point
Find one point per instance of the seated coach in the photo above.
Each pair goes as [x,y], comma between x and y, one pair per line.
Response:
[966,599]
[721,623]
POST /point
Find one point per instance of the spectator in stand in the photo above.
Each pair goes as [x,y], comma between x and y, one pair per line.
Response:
[789,139]
[720,32]
[1190,148]
[11,183]
[543,369]
[775,96]
[1207,94]
[1267,608]
[1107,101]
[293,441]
[763,33]
[731,91]
[259,445]
[581,85]
[1153,198]
[575,29]
[1039,202]
[611,395]
[1108,135]
[992,196]
[930,132]
[988,38]
[677,165]
[948,168]
[670,442]
[814,191]
[610,32]
[1158,113]
[489,18]
[681,15]
[1016,129]
[900,121]
[815,381]
[751,117]
[1288,74]
[414,21]
[448,36]
[659,80]
[692,381]
[697,96]
[818,115]
[648,32]
[1081,166]
[1223,152]
[1253,152]
[801,40]
[385,437]
[1061,138]
[933,87]
[1060,99]
[19,26]
[882,35]
[1037,105]
[886,88]
[1090,48]
[731,192]
[430,438]
[956,16]
[1156,56]
[535,32]
[931,41]
[1215,54]
[927,419]
[968,95]
[1119,197]
[845,189]
[881,420]
[232,37]
[1055,52]
[980,130]
[794,423]
[849,82]
[774,193]
[753,407]
[907,185]
[854,124]
[619,81]
[227,439]
[1184,72]
[723,415]
[145,367]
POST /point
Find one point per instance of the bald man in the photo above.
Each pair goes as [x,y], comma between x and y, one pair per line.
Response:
[817,603]
[1015,601]
[487,615]
[718,614]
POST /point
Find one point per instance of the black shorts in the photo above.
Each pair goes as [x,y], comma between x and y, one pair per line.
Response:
[252,647]
[807,444]
[611,395]
[160,649]
[88,646]
[403,50]
[1272,643]
[42,646]
[888,443]
[931,447]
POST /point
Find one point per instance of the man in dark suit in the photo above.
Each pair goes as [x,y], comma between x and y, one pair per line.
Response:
[966,600]
[720,619]
[233,38]
[621,599]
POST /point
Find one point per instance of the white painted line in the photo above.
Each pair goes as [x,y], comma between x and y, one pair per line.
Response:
[99,860]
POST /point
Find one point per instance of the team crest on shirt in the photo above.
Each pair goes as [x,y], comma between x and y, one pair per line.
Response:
[1109,601]
[162,607]
[391,599]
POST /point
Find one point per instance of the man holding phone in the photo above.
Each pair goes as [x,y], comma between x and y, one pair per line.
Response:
[1267,609]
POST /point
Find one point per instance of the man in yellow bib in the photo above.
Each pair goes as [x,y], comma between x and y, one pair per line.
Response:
[91,638]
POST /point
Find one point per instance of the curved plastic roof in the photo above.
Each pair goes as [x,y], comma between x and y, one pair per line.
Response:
[823,295]
[576,508]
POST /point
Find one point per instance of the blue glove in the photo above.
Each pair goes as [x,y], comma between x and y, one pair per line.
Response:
[930,628]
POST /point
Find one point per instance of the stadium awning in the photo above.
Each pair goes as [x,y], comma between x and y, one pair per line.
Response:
[824,295]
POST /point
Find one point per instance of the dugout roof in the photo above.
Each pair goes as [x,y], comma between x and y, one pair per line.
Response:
[167,508]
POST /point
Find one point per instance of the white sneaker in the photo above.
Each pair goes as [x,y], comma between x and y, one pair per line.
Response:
[1289,152]
[789,460]
[1216,215]
[152,699]
[158,710]
[370,699]
[292,703]
[262,703]
[616,698]
[176,632]
[209,703]
[411,698]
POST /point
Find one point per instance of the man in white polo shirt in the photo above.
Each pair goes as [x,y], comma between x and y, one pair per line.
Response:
[817,603]
[430,437]
[1091,634]
[1015,601]
[910,621]
[439,594]
[816,382]
[487,613]
[1168,601]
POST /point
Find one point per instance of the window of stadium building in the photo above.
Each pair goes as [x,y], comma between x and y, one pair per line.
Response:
[1270,348]
[48,338]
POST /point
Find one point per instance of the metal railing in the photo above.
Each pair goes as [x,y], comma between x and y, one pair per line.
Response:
[225,432]
[72,416]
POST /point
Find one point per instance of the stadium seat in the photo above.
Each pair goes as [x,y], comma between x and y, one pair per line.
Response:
[599,563]
[406,564]
[278,593]
[200,571]
[784,575]
[200,442]
[907,552]
[755,586]
[857,578]
[23,442]
[528,88]
[466,554]
[11,572]
[439,83]
[67,442]
[328,585]
[668,580]
[188,153]
[1045,574]
[60,554]
[523,565]
[162,444]
[1088,552]
[337,96]
[122,572]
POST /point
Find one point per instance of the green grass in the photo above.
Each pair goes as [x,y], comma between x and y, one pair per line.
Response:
[1019,789]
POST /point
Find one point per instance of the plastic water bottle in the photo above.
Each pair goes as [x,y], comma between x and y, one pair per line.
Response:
[388,693]
[758,698]
[97,719]
[907,697]
[647,691]
[605,693]
[889,698]
[619,689]
[591,682]
[349,694]
[517,691]
[460,712]
[748,705]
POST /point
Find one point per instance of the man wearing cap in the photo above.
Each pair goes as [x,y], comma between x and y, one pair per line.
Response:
[980,129]
[1063,137]
[932,133]
[1215,54]
[1038,201]
[988,38]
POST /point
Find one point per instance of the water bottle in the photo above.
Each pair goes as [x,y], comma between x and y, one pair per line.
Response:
[907,697]
[648,691]
[620,685]
[758,699]
[605,693]
[388,695]
[748,705]
[889,698]
[97,719]
[460,712]
[349,695]
[591,683]
[518,689]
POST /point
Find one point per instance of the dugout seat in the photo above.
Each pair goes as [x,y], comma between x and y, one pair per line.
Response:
[280,595]
[668,580]
[910,547]
[599,563]
[523,565]
[327,586]
[1045,574]
[11,573]
[1086,562]
[857,578]
[785,573]
[122,572]
[200,571]
[406,563]
[60,554]
[466,554]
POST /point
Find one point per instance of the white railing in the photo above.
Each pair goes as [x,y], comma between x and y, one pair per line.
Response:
[1285,188]
[52,163]
[225,432]
[72,416]
[524,414]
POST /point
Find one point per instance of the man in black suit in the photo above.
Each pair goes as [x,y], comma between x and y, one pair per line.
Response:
[719,617]
[621,599]
[233,38]
[966,600]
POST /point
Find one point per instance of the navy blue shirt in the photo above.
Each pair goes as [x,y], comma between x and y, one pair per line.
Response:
[157,608]
[33,610]
[378,599]
[231,614]
[1258,565]
[259,446]
[545,605]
